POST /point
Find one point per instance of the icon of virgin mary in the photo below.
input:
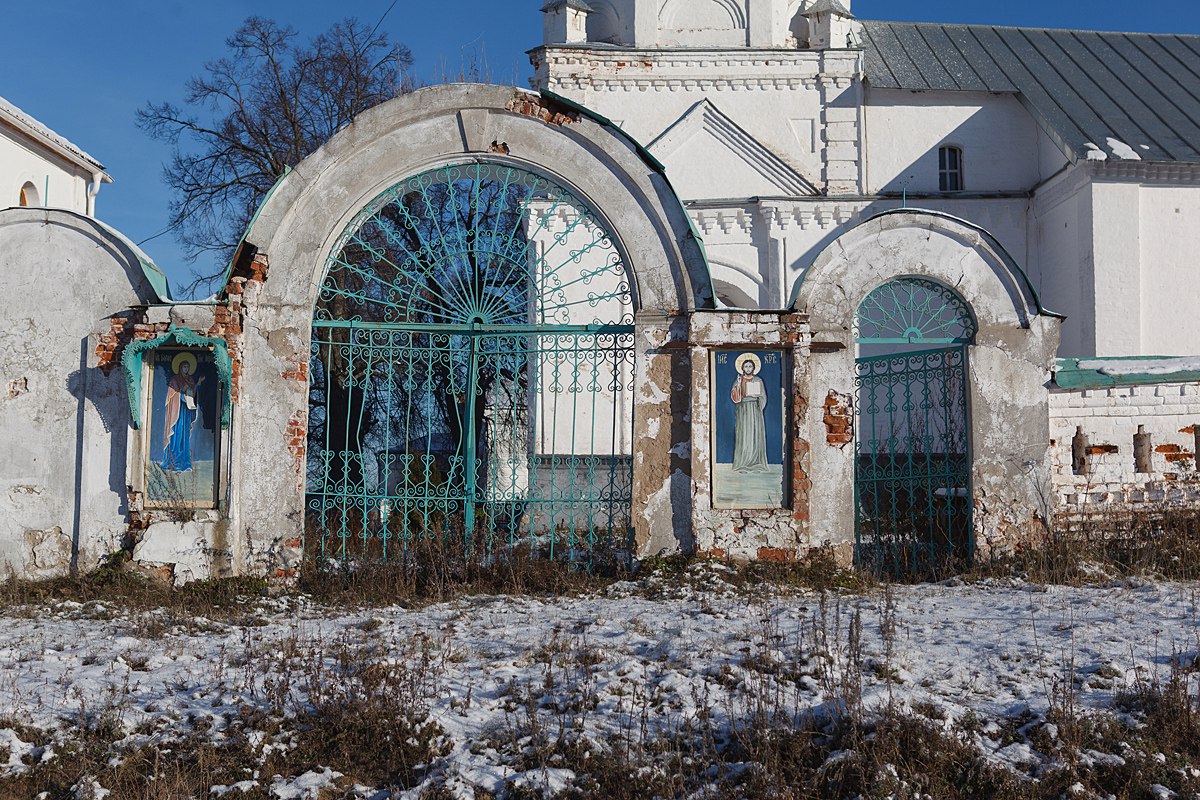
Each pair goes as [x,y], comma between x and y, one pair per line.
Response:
[749,396]
[182,413]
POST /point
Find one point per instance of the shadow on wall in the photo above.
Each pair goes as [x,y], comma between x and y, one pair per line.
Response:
[107,395]
[918,185]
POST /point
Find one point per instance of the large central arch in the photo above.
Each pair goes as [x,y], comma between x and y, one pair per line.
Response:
[472,373]
[302,228]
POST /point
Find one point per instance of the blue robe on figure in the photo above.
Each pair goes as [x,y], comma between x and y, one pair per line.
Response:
[182,411]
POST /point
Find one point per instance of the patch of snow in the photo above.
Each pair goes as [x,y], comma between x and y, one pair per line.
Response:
[17,751]
[89,789]
[1122,150]
[1094,153]
[305,787]
[240,786]
[1140,366]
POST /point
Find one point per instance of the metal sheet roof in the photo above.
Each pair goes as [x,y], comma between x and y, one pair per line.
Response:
[31,127]
[1133,96]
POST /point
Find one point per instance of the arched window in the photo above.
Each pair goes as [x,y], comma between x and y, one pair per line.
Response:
[950,169]
[29,195]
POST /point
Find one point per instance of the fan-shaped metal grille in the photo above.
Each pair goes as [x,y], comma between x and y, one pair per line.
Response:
[476,243]
[914,311]
[472,371]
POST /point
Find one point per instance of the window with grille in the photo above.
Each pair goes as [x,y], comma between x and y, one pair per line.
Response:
[950,169]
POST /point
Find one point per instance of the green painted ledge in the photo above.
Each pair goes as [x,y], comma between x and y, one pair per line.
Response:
[1098,373]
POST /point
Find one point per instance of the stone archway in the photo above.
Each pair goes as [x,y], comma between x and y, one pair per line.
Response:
[300,224]
[1008,365]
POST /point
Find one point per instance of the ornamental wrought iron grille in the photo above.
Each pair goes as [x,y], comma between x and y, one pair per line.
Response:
[912,481]
[471,373]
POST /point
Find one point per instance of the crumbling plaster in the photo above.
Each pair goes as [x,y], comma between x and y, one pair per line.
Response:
[1009,365]
[298,228]
[63,419]
[773,534]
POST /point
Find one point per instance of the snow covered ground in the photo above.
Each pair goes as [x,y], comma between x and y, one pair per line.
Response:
[608,664]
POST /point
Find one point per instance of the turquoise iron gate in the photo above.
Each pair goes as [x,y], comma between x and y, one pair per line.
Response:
[472,369]
[912,448]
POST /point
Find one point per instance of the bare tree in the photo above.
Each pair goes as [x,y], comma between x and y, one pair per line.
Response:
[256,112]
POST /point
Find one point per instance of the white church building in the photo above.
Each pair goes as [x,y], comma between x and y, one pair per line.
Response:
[737,277]
[38,167]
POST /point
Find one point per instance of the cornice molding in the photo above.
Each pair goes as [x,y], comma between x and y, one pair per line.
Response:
[1145,171]
[720,67]
[778,216]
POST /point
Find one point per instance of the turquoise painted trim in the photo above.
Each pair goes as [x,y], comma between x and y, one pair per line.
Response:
[654,164]
[1069,375]
[132,358]
[155,276]
[249,227]
[1012,262]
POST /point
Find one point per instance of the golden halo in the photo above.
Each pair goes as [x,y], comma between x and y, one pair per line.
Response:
[184,358]
[743,358]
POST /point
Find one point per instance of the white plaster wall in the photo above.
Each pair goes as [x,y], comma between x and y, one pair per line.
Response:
[1050,156]
[64,421]
[759,250]
[1009,365]
[1110,418]
[1117,265]
[773,96]
[59,183]
[905,129]
[1170,270]
[1061,263]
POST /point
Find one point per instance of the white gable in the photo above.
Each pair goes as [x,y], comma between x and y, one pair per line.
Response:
[708,155]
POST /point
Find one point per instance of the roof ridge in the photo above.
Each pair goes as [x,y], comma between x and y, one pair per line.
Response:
[46,132]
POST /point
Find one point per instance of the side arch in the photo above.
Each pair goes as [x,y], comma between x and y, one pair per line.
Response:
[921,243]
[1008,364]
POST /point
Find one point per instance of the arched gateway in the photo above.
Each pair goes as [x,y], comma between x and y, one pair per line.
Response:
[469,291]
[472,372]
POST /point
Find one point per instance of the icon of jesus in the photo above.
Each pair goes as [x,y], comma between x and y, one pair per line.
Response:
[749,396]
[182,412]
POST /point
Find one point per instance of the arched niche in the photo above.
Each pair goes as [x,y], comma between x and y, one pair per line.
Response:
[1008,363]
[736,286]
[704,22]
[298,227]
[28,196]
[609,25]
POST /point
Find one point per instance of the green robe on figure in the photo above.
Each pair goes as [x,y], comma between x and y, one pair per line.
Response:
[750,437]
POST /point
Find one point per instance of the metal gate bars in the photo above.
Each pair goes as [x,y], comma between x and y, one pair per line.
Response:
[912,449]
[472,369]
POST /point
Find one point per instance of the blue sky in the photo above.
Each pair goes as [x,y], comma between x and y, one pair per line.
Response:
[84,67]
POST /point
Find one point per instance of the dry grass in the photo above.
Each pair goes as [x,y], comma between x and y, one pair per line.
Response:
[1110,547]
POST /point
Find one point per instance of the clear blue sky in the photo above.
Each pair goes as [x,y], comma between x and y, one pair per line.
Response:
[84,67]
